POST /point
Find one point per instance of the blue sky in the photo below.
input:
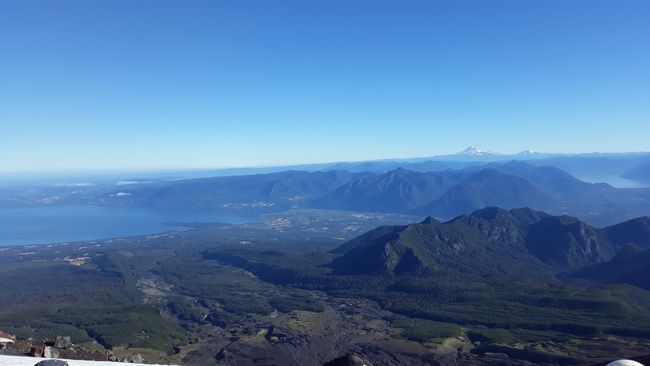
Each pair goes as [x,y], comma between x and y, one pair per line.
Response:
[131,84]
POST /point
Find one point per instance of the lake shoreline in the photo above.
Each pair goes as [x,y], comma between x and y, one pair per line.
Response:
[65,224]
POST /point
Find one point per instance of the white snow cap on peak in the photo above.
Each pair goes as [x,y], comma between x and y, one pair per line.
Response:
[528,152]
[474,151]
[624,363]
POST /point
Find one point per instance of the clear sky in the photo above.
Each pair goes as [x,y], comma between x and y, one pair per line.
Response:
[129,84]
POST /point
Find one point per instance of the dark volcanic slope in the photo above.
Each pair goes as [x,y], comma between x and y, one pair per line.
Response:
[633,231]
[630,266]
[566,242]
[490,240]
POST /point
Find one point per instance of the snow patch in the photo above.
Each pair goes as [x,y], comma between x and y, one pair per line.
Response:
[474,151]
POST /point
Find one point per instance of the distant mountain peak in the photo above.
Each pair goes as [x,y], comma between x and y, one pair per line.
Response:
[528,152]
[474,151]
[429,220]
[489,212]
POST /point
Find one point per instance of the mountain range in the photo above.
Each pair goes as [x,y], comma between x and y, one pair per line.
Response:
[509,185]
[589,166]
[442,188]
[279,191]
[443,194]
[519,242]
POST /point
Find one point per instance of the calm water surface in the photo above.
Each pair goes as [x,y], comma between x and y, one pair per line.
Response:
[43,225]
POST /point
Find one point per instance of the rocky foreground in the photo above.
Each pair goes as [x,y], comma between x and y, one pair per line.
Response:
[14,351]
[31,361]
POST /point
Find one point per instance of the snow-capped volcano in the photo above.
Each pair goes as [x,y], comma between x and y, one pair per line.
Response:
[474,151]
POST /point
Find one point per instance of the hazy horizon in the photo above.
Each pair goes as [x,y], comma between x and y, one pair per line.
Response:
[161,170]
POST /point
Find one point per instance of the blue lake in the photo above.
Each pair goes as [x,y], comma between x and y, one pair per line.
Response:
[44,225]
